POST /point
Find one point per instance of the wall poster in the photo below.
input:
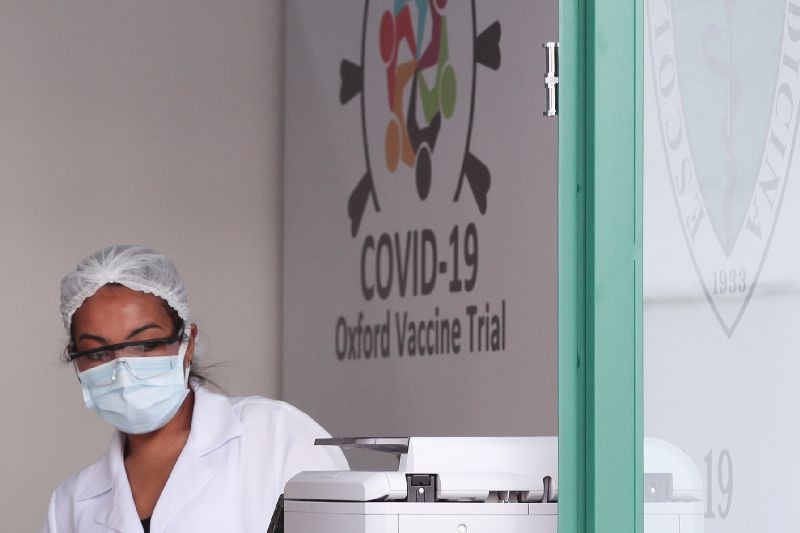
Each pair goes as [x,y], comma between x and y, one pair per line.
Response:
[420,271]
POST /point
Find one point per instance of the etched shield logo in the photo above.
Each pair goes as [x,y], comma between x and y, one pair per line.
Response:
[725,75]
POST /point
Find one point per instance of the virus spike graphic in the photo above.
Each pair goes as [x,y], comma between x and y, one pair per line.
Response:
[357,203]
[479,179]
[412,66]
[352,80]
[487,47]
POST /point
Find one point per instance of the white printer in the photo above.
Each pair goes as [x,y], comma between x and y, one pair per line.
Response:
[472,485]
[463,485]
[673,490]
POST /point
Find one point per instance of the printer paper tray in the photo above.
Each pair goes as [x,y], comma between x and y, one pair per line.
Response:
[404,517]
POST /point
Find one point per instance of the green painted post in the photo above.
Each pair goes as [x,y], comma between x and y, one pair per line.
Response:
[638,13]
[600,253]
[571,272]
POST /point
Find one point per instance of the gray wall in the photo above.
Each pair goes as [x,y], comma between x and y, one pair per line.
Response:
[149,122]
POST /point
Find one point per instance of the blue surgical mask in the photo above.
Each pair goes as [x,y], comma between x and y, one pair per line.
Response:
[137,394]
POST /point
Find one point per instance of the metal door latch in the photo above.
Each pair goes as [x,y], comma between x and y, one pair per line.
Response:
[551,79]
[421,487]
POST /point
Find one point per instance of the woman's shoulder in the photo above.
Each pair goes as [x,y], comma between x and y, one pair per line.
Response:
[287,431]
[267,413]
[75,483]
[264,405]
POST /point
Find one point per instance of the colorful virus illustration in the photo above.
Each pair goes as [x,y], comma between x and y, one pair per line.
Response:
[407,58]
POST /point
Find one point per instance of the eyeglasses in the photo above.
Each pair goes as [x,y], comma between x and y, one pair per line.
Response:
[97,356]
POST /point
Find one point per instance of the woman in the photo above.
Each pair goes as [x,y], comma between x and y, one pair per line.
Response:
[183,458]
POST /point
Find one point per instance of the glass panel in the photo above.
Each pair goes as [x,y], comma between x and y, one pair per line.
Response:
[722,269]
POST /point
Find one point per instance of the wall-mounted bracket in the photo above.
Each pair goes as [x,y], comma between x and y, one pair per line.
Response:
[551,78]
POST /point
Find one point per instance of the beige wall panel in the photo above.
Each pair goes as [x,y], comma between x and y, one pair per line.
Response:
[141,122]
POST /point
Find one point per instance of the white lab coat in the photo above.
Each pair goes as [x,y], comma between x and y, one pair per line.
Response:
[239,455]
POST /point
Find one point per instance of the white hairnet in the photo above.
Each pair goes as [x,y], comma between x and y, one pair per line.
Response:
[135,267]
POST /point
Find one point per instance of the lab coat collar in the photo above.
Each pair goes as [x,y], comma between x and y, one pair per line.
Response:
[214,423]
[100,477]
[108,474]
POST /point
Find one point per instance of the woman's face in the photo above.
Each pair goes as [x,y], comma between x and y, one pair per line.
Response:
[117,314]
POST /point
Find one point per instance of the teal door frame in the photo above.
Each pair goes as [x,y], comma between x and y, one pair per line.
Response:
[600,267]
